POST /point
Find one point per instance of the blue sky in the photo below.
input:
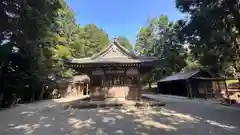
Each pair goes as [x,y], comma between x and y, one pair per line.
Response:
[122,17]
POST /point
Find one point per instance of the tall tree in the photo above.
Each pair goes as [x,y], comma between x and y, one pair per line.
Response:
[144,38]
[23,36]
[213,33]
[160,38]
[89,40]
[96,39]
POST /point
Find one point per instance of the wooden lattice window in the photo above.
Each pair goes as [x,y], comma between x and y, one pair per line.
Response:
[116,80]
[131,80]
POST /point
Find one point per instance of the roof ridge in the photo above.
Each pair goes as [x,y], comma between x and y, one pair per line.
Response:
[121,46]
[112,43]
[182,75]
[101,52]
[194,72]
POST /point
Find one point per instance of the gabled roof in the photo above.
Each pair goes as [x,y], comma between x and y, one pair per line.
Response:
[114,53]
[114,46]
[80,78]
[180,76]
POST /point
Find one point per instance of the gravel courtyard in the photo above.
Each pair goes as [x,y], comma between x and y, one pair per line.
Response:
[179,117]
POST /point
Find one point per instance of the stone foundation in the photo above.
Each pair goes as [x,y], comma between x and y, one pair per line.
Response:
[115,93]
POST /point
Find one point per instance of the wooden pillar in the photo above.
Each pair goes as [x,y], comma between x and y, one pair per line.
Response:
[170,88]
[189,89]
[219,89]
[205,89]
[138,87]
[90,85]
[102,84]
[79,89]
[87,88]
[125,77]
[227,93]
[239,81]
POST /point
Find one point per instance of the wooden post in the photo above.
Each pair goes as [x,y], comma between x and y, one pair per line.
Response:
[227,94]
[125,77]
[103,85]
[239,83]
[189,89]
[87,89]
[78,89]
[139,87]
[169,83]
[205,89]
[219,89]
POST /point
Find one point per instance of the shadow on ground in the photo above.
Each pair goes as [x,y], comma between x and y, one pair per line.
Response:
[49,118]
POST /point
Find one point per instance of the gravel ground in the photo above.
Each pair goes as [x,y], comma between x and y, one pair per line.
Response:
[179,117]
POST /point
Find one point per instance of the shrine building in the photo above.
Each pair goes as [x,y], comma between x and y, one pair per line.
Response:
[113,73]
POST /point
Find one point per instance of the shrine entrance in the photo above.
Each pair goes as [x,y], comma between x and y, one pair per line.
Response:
[115,81]
[120,84]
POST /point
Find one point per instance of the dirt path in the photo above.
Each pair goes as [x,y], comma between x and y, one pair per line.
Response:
[179,117]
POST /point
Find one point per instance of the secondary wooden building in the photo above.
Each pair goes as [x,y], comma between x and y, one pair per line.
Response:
[197,83]
[114,72]
[78,86]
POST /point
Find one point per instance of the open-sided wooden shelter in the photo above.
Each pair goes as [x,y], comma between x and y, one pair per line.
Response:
[114,72]
[196,83]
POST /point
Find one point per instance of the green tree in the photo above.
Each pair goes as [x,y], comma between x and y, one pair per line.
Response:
[24,34]
[125,42]
[144,38]
[192,63]
[88,41]
[79,45]
[95,39]
[160,38]
[212,31]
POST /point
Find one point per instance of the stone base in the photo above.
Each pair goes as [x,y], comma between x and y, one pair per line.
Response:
[115,99]
[112,104]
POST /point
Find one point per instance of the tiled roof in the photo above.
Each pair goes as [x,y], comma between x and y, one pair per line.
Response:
[179,76]
[112,60]
[114,53]
[80,78]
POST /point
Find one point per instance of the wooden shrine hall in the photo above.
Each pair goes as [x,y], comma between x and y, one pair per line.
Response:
[114,72]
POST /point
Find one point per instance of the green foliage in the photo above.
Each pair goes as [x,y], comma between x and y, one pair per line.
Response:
[212,31]
[192,63]
[95,38]
[160,38]
[62,52]
[125,42]
[23,36]
[36,38]
[143,40]
[88,40]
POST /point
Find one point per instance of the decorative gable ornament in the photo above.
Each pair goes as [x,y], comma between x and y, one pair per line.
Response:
[114,48]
